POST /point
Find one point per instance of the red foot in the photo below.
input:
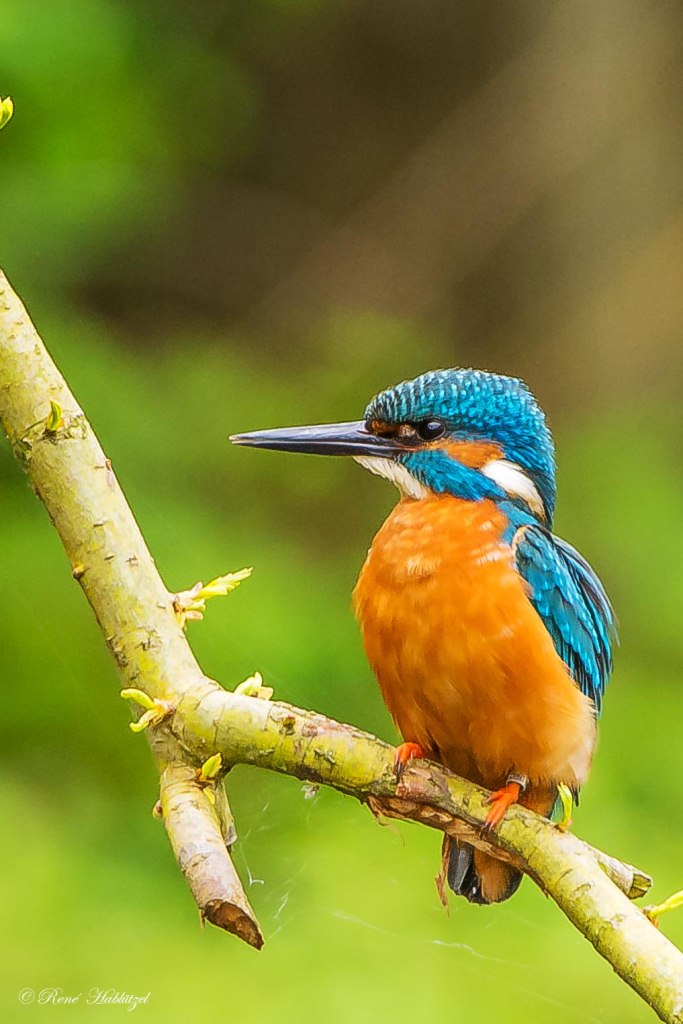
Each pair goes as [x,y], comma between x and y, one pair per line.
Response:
[500,801]
[405,753]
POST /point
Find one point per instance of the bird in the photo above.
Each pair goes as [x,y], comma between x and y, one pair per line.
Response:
[491,638]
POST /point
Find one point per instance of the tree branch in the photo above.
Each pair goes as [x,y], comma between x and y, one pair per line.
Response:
[198,841]
[74,479]
[72,476]
[317,749]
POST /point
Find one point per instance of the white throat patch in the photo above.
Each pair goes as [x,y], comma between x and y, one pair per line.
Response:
[514,482]
[395,472]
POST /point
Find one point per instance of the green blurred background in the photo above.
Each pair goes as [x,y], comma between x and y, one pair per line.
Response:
[226,216]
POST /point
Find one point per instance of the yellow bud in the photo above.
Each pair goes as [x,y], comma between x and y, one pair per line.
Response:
[6,111]
[249,686]
[672,903]
[223,585]
[140,697]
[253,687]
[142,722]
[55,420]
[211,767]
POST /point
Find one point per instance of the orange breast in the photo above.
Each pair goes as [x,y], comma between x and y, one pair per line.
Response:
[465,664]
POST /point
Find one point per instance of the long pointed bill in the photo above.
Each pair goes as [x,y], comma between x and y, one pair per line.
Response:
[325,439]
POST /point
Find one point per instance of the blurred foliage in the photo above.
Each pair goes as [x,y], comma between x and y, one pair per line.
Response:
[230,216]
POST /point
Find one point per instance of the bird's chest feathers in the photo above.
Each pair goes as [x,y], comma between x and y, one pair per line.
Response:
[464,662]
[434,586]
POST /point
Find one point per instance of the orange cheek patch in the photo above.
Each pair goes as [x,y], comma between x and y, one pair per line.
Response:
[473,453]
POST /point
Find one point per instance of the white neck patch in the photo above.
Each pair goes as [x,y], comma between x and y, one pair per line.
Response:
[514,482]
[395,472]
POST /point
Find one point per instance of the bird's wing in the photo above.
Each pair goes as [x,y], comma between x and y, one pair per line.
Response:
[573,604]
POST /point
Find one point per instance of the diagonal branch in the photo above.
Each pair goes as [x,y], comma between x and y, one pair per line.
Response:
[72,476]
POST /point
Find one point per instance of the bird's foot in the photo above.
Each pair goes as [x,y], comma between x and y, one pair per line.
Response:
[405,753]
[564,795]
[503,798]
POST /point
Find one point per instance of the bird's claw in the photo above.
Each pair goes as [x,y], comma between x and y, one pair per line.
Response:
[405,753]
[500,800]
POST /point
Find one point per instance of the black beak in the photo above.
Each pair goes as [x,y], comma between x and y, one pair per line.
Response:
[326,439]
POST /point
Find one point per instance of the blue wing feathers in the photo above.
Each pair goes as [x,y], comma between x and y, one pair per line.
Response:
[572,603]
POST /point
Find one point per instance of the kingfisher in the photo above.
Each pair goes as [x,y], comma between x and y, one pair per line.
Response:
[491,638]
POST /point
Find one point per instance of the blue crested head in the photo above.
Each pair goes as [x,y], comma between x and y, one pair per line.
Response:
[462,416]
[468,433]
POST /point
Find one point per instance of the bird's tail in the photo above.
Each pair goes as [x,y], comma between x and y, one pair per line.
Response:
[479,877]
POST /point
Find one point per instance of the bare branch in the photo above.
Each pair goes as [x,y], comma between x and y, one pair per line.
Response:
[74,479]
[194,829]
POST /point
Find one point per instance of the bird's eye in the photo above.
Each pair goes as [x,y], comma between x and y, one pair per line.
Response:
[430,430]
